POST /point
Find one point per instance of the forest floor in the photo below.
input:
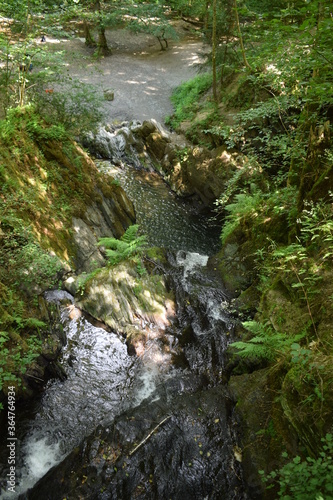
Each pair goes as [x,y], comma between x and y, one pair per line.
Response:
[141,75]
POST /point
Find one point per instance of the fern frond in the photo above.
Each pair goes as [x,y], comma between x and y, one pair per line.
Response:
[267,344]
[130,233]
[129,244]
[255,350]
[34,323]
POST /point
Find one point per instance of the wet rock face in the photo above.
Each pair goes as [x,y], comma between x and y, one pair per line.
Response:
[180,442]
[109,217]
[179,447]
[196,172]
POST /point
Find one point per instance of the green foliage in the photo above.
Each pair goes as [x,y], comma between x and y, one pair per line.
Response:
[140,269]
[244,206]
[195,8]
[126,247]
[150,18]
[267,344]
[76,106]
[16,352]
[27,63]
[15,360]
[305,479]
[37,131]
[302,264]
[26,118]
[23,263]
[186,98]
[85,278]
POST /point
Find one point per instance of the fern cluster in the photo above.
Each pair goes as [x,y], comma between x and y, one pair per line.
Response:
[267,344]
[127,246]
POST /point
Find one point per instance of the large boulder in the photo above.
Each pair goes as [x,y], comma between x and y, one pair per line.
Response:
[174,445]
[135,304]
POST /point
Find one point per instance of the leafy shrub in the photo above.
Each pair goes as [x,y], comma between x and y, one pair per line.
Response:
[22,261]
[75,105]
[185,98]
[310,479]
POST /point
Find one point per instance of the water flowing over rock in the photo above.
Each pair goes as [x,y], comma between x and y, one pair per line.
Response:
[144,410]
[189,456]
[190,171]
[179,442]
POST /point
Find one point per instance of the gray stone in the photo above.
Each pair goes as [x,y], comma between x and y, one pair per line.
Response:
[109,95]
[87,253]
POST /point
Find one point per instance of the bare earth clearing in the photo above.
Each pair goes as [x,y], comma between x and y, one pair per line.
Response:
[140,74]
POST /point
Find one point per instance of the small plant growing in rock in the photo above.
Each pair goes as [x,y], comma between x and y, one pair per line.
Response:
[127,246]
[266,344]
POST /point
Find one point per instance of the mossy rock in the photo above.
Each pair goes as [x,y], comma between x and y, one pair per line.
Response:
[55,181]
[307,401]
[248,301]
[283,310]
[121,298]
[261,443]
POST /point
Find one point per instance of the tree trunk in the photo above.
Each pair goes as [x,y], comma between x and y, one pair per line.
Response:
[21,87]
[224,60]
[214,53]
[206,16]
[230,29]
[240,36]
[102,46]
[90,42]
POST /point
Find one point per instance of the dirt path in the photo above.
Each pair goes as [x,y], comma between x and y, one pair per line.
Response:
[141,75]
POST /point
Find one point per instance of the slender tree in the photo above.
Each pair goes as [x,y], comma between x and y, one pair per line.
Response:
[240,36]
[214,43]
[102,44]
[89,40]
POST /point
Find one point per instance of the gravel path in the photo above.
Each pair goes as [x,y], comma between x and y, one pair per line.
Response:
[140,74]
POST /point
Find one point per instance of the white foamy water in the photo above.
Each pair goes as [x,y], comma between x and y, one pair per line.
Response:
[190,261]
[102,381]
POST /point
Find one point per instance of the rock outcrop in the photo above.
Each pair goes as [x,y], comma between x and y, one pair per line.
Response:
[139,307]
[190,171]
[55,204]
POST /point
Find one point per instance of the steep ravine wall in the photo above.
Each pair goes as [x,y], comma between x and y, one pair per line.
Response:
[54,207]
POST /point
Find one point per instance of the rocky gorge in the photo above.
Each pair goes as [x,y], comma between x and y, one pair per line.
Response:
[139,393]
[161,308]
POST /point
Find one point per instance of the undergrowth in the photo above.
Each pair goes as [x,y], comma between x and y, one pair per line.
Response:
[186,99]
[307,479]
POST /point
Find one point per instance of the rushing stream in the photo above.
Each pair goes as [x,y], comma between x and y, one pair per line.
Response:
[103,380]
[168,221]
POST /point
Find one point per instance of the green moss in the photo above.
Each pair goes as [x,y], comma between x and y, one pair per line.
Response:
[45,180]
